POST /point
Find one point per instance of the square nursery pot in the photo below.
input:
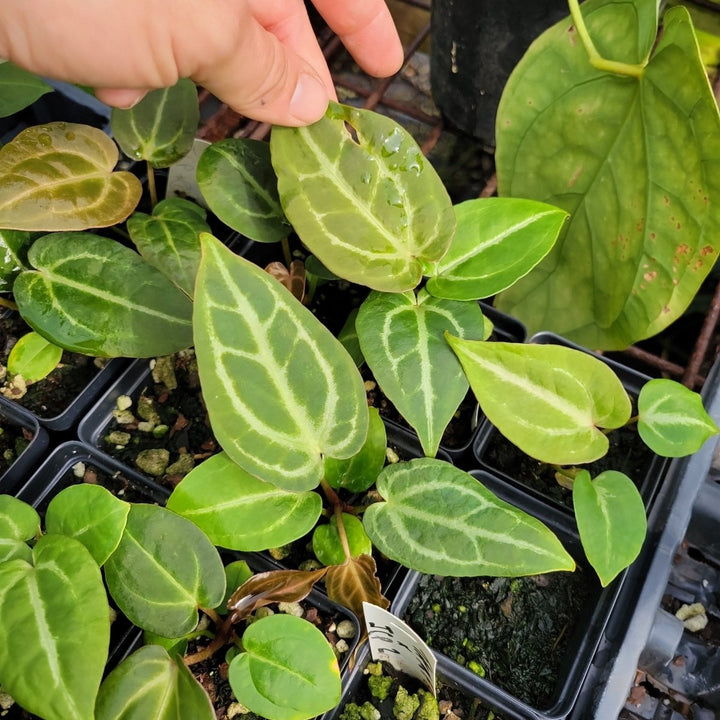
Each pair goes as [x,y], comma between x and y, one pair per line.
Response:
[627,452]
[521,645]
[59,400]
[24,444]
[458,440]
[650,663]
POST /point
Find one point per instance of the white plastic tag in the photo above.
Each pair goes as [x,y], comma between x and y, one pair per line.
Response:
[181,175]
[392,641]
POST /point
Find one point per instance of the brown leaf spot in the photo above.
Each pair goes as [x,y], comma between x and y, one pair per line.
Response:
[575,176]
[650,276]
[707,250]
[652,236]
[683,249]
[678,226]
[666,199]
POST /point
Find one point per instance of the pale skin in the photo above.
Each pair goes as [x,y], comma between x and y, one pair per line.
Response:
[260,57]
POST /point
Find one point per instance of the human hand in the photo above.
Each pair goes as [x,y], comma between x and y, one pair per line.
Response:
[260,57]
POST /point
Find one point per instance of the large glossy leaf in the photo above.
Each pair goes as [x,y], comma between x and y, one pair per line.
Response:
[163,570]
[280,389]
[169,239]
[60,177]
[240,512]
[437,519]
[238,183]
[497,241]
[359,472]
[90,514]
[672,420]
[550,401]
[151,684]
[402,339]
[161,127]
[14,245]
[288,670]
[635,162]
[611,520]
[19,522]
[19,88]
[362,197]
[95,296]
[54,630]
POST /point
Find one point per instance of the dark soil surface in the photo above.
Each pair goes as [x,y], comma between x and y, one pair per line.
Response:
[627,454]
[53,395]
[514,632]
[13,441]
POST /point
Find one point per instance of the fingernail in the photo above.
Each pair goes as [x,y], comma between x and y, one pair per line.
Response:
[310,99]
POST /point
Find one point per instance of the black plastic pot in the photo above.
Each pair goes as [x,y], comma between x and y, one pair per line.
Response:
[13,416]
[475,46]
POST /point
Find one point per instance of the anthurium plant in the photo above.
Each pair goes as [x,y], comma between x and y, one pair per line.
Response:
[161,572]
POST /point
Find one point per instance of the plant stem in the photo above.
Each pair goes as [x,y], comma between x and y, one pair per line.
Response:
[152,187]
[286,251]
[8,304]
[341,532]
[222,638]
[597,60]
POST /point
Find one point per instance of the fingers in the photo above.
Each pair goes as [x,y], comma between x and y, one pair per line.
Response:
[368,32]
[120,98]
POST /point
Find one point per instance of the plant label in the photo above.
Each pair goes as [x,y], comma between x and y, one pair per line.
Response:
[392,641]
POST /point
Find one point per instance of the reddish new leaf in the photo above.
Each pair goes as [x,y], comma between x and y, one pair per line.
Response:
[355,582]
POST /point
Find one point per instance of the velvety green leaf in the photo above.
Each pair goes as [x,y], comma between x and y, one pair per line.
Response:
[236,574]
[401,337]
[90,514]
[163,570]
[672,420]
[161,127]
[151,684]
[238,183]
[54,630]
[328,547]
[359,472]
[437,519]
[19,88]
[60,177]
[349,338]
[550,401]
[497,241]
[174,646]
[281,391]
[19,522]
[635,162]
[611,520]
[169,239]
[33,357]
[240,512]
[13,253]
[288,670]
[95,296]
[362,197]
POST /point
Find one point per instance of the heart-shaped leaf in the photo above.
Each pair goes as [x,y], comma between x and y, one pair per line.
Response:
[60,177]
[281,391]
[90,514]
[161,127]
[19,88]
[268,679]
[611,520]
[238,183]
[631,158]
[151,684]
[169,239]
[240,512]
[359,472]
[14,245]
[95,296]
[54,630]
[401,337]
[19,522]
[362,197]
[355,582]
[33,357]
[163,570]
[472,532]
[550,401]
[672,421]
[497,241]
[328,546]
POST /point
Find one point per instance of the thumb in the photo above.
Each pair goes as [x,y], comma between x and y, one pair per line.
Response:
[265,80]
